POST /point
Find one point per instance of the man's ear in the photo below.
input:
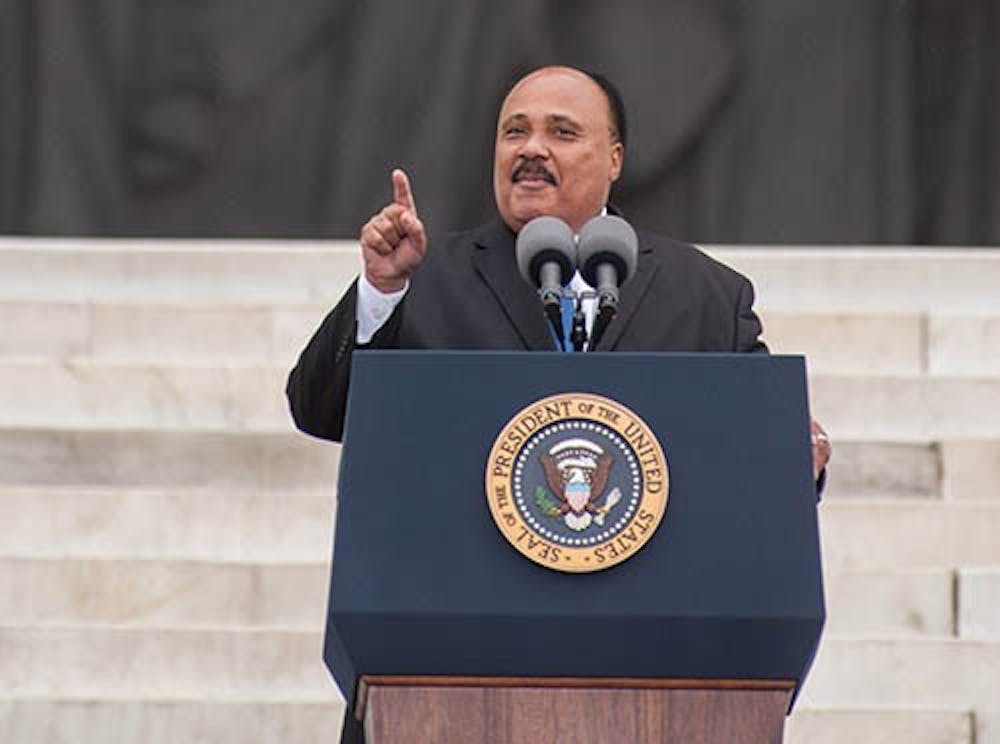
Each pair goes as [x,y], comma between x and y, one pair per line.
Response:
[617,161]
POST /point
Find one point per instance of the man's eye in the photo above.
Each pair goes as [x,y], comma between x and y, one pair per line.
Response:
[513,132]
[565,133]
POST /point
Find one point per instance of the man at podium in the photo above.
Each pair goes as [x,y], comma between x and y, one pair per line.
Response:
[560,146]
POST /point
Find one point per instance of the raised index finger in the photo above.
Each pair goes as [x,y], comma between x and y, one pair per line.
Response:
[401,192]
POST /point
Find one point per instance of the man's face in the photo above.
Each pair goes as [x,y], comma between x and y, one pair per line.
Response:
[555,151]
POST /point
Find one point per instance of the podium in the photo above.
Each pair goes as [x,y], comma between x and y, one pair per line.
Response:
[439,630]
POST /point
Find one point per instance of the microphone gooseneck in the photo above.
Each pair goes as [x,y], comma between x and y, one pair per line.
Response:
[547,257]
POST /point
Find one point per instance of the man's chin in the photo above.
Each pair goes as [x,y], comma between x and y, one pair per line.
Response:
[535,205]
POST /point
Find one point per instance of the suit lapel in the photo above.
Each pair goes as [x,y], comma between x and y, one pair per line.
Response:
[631,297]
[495,262]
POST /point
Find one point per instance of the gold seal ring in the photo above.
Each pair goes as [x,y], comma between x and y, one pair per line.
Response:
[577,482]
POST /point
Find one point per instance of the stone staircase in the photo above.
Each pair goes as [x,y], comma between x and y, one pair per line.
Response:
[165,537]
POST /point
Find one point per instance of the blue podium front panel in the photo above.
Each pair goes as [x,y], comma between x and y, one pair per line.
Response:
[423,582]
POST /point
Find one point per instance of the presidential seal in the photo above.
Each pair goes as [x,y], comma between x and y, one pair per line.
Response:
[577,482]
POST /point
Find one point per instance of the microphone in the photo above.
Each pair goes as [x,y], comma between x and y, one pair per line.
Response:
[608,250]
[546,258]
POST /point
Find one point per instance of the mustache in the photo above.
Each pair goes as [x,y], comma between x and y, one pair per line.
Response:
[532,168]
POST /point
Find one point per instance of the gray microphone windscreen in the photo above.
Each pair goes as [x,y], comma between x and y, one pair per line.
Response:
[607,239]
[542,240]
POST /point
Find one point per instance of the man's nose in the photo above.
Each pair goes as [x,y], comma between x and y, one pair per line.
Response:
[535,146]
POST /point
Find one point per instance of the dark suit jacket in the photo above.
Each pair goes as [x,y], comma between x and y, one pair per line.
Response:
[468,294]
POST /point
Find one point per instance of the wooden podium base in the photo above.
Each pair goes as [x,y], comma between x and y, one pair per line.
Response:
[496,710]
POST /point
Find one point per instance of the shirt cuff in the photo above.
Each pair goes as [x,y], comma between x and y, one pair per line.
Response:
[374,308]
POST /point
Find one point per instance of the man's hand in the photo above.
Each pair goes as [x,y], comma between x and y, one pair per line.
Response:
[820,447]
[393,241]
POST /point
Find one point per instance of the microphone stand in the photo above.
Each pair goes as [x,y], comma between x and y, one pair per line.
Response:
[578,332]
[552,303]
[602,319]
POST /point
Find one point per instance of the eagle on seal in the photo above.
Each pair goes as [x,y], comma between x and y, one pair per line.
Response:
[576,472]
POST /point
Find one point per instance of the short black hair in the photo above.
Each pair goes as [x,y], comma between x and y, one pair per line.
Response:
[615,103]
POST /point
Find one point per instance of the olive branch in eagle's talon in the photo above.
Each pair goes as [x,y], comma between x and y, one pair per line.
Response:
[544,501]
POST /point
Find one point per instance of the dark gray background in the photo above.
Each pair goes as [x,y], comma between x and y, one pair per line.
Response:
[772,121]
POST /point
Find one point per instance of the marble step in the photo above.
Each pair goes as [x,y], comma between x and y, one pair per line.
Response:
[913,673]
[963,345]
[977,603]
[864,470]
[885,344]
[126,592]
[859,278]
[160,722]
[239,397]
[899,603]
[85,393]
[809,278]
[867,726]
[53,721]
[144,332]
[158,593]
[906,408]
[952,470]
[971,469]
[220,272]
[164,664]
[243,525]
[987,729]
[876,343]
[910,534]
[161,458]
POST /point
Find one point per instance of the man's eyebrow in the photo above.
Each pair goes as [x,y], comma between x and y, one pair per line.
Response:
[513,118]
[517,118]
[563,119]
